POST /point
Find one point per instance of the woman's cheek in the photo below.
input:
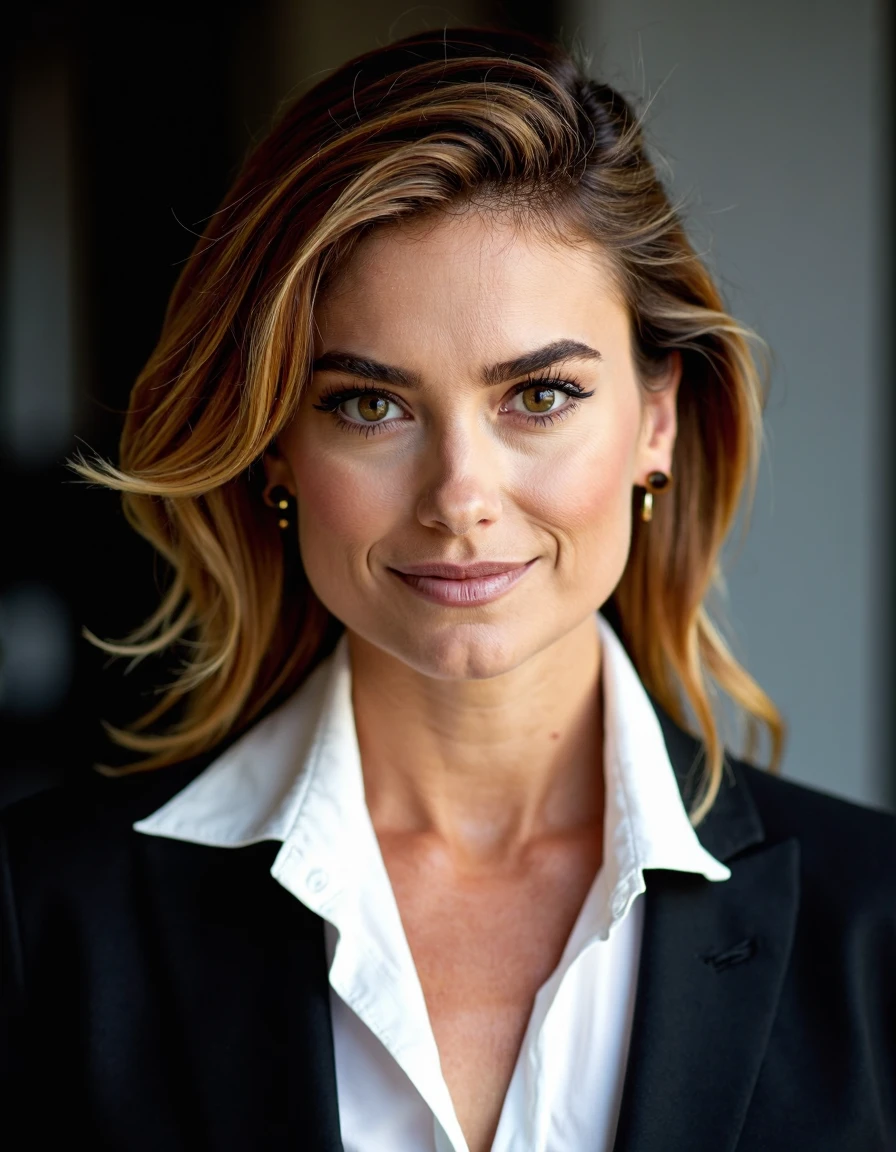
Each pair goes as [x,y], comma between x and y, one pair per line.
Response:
[584,488]
[342,503]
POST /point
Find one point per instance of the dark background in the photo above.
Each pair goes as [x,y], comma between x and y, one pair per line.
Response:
[122,129]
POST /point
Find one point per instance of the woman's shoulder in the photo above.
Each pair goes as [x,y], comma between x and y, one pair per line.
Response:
[71,870]
[84,824]
[787,806]
[757,808]
[847,847]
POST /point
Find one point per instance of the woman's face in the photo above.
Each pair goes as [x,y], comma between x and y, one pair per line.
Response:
[473,400]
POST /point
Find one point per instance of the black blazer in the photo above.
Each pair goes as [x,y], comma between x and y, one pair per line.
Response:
[160,996]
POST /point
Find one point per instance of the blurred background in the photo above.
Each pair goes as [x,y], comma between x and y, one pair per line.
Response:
[773,117]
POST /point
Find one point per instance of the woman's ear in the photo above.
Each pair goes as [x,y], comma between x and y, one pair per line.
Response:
[277,472]
[659,422]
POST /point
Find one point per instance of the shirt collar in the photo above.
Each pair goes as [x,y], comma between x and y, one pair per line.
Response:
[256,789]
[295,777]
[646,825]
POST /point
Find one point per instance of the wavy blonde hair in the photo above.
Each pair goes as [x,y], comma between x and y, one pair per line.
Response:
[424,125]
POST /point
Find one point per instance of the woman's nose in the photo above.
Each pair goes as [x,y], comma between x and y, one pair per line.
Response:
[462,482]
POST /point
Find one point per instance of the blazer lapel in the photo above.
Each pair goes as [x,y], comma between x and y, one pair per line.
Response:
[245,968]
[712,965]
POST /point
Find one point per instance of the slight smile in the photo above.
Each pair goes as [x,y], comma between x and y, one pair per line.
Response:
[463,585]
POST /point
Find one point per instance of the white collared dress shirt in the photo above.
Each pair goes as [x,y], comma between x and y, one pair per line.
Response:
[296,778]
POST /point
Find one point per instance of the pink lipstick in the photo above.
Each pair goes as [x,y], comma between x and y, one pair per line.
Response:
[462,585]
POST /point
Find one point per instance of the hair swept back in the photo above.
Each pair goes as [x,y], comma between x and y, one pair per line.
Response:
[431,121]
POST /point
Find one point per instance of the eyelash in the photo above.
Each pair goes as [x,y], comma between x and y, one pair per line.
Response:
[332,399]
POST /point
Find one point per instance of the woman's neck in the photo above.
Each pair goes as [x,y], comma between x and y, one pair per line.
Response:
[486,766]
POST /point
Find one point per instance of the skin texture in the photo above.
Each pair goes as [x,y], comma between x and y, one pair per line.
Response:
[480,726]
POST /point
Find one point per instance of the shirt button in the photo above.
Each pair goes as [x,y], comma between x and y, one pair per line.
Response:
[316,880]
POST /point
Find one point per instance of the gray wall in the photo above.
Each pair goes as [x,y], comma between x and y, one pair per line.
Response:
[771,115]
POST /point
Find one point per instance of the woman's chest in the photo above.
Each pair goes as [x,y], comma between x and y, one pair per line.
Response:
[482,951]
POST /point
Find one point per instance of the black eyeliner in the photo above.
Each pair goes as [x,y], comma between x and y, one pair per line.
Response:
[330,401]
[570,387]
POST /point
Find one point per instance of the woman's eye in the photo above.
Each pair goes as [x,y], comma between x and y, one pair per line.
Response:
[370,408]
[538,400]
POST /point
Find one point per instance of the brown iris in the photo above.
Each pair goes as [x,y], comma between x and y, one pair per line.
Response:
[373,407]
[542,398]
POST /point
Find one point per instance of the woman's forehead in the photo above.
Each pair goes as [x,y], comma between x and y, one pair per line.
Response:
[467,278]
[465,244]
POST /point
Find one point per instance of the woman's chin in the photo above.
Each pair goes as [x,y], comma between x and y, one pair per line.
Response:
[459,651]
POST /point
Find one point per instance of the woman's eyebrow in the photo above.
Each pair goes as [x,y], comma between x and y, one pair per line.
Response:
[539,359]
[351,365]
[535,361]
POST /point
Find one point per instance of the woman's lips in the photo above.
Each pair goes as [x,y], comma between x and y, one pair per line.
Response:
[473,584]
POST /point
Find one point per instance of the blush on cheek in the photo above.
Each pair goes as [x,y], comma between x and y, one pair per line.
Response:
[351,506]
[344,513]
[581,489]
[583,498]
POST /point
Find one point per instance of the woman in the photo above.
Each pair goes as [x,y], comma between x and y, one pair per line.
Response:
[426,858]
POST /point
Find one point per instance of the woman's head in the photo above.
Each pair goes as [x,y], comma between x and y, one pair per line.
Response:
[442,206]
[468,451]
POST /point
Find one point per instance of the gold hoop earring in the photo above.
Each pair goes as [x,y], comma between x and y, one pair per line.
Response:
[656,482]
